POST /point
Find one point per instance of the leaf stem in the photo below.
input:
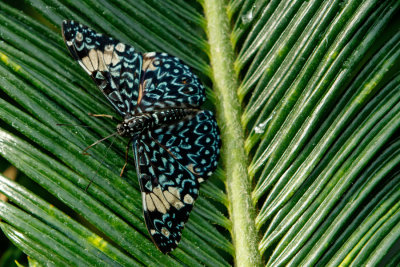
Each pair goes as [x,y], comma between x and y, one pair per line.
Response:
[242,214]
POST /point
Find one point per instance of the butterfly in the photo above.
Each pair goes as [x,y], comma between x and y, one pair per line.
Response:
[176,144]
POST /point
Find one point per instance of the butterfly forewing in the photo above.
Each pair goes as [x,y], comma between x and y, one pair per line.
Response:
[166,82]
[168,191]
[115,67]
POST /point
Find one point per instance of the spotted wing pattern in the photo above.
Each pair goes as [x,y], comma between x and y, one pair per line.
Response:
[168,191]
[166,82]
[115,67]
[194,142]
[171,159]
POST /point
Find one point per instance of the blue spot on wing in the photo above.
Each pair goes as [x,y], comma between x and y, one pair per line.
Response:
[168,83]
[194,142]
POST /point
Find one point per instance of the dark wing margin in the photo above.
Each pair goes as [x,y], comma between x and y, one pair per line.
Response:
[114,66]
[167,82]
[168,192]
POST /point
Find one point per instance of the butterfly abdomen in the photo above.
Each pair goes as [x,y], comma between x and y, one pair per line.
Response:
[133,125]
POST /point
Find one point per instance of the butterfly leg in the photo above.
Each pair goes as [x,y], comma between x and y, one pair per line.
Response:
[102,161]
[126,157]
[95,143]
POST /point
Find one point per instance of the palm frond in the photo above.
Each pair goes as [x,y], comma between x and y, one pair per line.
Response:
[307,98]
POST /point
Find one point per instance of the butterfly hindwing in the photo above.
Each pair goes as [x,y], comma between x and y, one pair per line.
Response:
[168,191]
[194,142]
[114,66]
[166,82]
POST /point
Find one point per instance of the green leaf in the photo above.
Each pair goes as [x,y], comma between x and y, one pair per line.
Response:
[307,98]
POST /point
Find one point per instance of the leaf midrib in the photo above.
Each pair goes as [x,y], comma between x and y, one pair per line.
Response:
[238,187]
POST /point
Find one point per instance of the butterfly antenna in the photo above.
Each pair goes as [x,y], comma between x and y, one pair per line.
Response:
[98,141]
[102,161]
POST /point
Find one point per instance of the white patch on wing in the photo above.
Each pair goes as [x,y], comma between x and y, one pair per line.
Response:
[158,204]
[120,47]
[188,199]
[157,191]
[102,66]
[115,59]
[88,64]
[149,203]
[173,200]
[94,59]
[175,192]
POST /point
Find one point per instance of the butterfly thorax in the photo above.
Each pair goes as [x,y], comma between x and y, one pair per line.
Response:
[135,124]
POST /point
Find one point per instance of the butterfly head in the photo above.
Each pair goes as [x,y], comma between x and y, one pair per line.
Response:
[123,129]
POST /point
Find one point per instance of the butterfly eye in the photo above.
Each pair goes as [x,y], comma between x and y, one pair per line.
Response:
[121,129]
